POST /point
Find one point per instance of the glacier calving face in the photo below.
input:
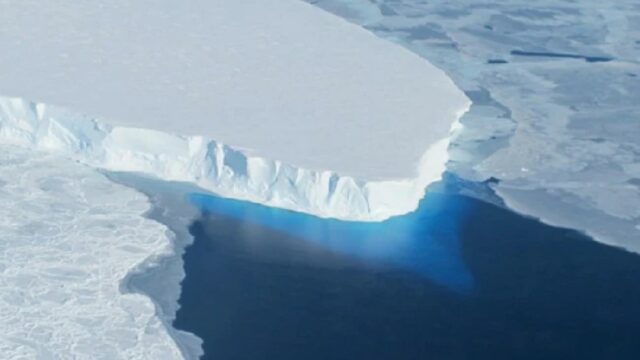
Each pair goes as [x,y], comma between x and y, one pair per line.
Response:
[69,237]
[215,166]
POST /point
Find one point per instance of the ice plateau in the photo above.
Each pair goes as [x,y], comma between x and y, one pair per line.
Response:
[304,111]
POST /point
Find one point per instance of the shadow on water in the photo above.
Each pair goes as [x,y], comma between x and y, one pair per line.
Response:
[458,279]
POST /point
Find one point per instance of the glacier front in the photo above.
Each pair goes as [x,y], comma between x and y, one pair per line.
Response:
[272,101]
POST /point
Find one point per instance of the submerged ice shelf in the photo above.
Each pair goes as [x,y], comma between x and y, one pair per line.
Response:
[233,97]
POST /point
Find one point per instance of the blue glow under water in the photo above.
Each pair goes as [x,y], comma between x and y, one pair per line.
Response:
[425,241]
[458,279]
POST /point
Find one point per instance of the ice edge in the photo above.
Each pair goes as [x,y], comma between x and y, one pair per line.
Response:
[217,167]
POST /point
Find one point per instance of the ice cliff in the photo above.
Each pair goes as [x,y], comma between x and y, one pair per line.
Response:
[215,166]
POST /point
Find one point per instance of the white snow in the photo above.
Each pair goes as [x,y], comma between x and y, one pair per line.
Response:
[315,114]
[68,238]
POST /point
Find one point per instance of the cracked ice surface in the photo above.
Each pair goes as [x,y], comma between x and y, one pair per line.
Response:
[68,237]
[555,87]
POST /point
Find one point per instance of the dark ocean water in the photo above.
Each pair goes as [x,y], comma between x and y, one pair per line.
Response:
[458,279]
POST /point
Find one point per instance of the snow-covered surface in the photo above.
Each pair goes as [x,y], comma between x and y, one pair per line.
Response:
[278,80]
[560,130]
[68,238]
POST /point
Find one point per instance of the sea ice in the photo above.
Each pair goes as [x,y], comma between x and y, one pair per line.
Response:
[68,238]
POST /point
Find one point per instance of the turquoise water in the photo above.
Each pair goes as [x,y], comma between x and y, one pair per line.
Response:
[458,279]
[425,242]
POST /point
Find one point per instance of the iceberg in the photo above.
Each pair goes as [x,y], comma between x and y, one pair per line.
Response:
[272,101]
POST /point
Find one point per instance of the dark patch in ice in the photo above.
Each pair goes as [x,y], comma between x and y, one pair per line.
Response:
[497,61]
[634,181]
[597,59]
[632,74]
[488,27]
[561,55]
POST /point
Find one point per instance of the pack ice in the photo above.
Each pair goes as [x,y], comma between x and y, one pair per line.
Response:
[271,101]
[69,238]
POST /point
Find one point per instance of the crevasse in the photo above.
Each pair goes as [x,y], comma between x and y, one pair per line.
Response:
[215,166]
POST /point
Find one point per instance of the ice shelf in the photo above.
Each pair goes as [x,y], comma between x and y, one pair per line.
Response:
[272,101]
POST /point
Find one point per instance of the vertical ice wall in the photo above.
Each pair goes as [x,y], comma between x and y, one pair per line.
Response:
[215,166]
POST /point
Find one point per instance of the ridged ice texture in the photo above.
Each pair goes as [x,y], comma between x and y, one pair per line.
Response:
[68,238]
[215,166]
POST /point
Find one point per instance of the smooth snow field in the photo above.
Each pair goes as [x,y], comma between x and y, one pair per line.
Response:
[319,115]
[68,239]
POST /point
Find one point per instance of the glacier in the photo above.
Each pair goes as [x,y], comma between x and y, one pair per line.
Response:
[233,97]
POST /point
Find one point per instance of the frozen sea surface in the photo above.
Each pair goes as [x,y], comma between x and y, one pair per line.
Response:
[68,239]
[555,87]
